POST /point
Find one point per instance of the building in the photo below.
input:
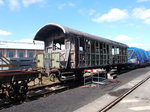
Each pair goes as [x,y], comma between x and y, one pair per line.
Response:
[20,49]
[21,54]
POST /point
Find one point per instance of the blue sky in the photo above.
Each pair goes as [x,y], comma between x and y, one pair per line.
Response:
[126,21]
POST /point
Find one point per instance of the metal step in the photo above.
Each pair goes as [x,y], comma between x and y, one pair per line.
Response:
[67,73]
[69,77]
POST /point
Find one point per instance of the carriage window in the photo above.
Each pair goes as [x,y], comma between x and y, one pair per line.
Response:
[59,44]
[62,47]
[49,44]
[81,48]
[88,45]
[81,44]
[92,46]
[117,50]
[113,51]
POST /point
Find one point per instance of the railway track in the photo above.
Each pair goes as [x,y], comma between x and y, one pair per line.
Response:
[46,90]
[42,91]
[118,99]
[38,92]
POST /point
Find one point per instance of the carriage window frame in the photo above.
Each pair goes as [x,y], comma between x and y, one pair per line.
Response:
[59,44]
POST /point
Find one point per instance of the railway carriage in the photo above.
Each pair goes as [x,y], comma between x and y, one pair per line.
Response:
[138,57]
[68,52]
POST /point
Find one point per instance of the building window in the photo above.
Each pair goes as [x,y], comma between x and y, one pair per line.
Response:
[30,54]
[1,52]
[21,54]
[11,53]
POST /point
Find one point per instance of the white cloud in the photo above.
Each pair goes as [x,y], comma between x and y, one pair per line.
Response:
[4,33]
[1,2]
[123,38]
[14,4]
[147,21]
[69,4]
[113,15]
[61,6]
[139,45]
[91,12]
[26,3]
[143,0]
[142,13]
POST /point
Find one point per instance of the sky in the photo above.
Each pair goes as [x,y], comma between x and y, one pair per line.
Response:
[125,21]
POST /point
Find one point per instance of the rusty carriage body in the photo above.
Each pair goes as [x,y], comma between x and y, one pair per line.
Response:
[68,52]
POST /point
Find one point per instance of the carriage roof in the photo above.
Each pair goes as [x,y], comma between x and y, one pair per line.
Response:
[41,34]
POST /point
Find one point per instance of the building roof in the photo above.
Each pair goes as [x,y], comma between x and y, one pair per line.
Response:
[41,34]
[21,45]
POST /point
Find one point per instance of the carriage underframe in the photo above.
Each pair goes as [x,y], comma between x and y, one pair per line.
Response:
[14,83]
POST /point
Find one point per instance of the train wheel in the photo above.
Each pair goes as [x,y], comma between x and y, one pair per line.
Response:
[17,92]
[58,76]
[12,93]
[52,77]
[23,89]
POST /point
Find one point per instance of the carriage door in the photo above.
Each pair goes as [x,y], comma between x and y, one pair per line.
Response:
[55,60]
[40,60]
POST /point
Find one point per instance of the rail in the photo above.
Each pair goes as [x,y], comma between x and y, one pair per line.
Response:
[40,91]
[118,99]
